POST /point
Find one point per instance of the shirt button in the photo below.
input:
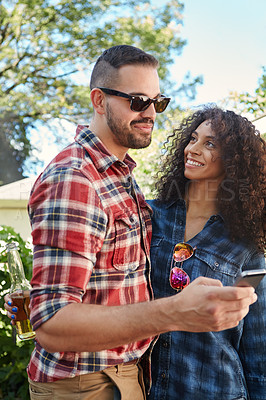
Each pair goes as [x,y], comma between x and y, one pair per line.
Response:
[216,264]
[131,219]
[165,344]
[163,375]
[180,223]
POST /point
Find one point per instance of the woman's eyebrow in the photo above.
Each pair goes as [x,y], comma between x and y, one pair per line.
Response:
[206,137]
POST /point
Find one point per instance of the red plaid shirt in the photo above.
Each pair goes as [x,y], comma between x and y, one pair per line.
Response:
[91,245]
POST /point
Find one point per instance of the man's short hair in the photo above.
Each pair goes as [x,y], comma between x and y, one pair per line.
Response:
[105,71]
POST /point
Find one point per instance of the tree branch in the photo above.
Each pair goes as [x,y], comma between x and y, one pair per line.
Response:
[3,33]
[256,119]
[58,76]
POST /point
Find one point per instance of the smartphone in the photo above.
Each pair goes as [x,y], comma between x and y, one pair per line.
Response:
[250,278]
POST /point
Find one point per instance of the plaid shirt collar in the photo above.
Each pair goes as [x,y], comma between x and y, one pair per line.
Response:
[99,154]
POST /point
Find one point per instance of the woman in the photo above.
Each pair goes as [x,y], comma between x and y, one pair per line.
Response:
[211,195]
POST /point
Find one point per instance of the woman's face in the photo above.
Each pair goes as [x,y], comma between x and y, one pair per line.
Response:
[202,155]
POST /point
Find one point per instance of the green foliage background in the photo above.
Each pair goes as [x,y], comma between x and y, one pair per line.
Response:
[47,50]
[14,354]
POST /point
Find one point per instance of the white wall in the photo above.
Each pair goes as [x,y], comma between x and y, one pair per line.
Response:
[13,206]
[16,215]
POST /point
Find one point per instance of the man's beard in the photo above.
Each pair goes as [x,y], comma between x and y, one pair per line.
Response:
[125,136]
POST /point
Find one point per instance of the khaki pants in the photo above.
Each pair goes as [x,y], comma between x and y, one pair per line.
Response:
[102,385]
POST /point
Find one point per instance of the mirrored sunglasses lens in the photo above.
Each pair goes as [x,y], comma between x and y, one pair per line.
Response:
[182,252]
[179,279]
[138,104]
[161,105]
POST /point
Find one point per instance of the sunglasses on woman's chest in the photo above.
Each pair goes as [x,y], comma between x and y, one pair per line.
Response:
[179,279]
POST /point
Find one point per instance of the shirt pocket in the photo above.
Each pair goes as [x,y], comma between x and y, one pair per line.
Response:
[127,242]
[217,267]
[156,245]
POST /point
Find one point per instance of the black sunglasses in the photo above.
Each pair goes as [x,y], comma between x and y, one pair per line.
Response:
[140,103]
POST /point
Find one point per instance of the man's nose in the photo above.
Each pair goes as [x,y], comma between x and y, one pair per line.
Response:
[149,112]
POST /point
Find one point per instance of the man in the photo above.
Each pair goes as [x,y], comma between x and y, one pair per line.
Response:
[92,303]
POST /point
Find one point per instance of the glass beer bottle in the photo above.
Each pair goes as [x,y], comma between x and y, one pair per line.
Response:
[19,292]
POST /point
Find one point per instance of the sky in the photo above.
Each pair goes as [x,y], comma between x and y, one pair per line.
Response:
[226,44]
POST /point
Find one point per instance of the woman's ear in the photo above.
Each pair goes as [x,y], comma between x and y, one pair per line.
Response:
[98,101]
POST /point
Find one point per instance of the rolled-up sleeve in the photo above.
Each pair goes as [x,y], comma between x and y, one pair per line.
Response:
[68,229]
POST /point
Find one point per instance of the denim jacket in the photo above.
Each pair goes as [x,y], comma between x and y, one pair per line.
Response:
[223,365]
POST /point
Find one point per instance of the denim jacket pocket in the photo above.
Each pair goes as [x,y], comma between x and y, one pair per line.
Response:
[156,242]
[161,252]
[219,267]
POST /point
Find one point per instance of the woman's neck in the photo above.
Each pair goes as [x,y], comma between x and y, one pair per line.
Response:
[201,202]
[201,199]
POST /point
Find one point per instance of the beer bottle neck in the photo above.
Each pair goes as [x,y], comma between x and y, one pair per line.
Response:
[16,270]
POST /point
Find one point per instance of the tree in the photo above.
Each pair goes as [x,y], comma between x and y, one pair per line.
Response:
[254,104]
[47,49]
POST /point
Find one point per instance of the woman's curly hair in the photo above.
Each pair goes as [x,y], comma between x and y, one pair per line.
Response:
[241,195]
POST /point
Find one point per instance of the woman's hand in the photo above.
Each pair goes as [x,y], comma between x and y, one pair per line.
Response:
[11,310]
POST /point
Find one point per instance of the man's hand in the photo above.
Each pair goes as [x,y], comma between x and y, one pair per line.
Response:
[205,305]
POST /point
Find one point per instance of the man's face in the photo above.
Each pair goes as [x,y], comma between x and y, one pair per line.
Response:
[130,129]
